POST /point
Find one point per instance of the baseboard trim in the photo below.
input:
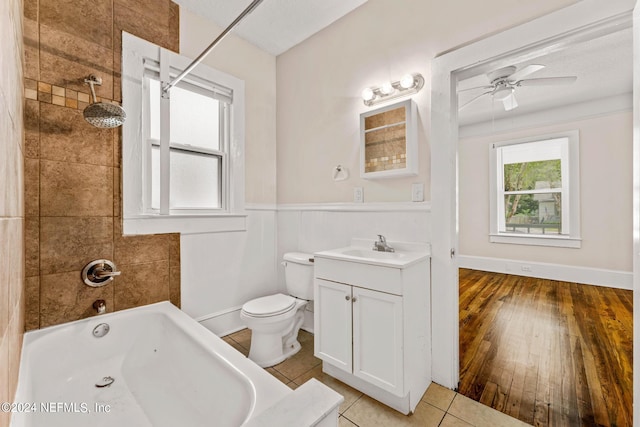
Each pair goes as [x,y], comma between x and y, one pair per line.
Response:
[223,322]
[565,273]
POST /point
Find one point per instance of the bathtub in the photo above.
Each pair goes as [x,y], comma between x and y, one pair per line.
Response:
[152,366]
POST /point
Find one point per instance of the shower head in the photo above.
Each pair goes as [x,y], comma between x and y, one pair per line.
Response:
[102,114]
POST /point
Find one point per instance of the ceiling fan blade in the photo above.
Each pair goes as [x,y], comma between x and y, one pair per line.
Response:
[551,81]
[529,69]
[510,102]
[474,99]
[475,88]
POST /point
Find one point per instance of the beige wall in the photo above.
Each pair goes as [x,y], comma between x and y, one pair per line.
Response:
[11,200]
[258,70]
[242,264]
[320,80]
[605,197]
[72,169]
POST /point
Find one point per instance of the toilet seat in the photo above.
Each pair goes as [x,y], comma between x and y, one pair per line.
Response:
[272,305]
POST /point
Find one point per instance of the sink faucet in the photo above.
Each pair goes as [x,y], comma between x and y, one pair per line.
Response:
[381,245]
[100,306]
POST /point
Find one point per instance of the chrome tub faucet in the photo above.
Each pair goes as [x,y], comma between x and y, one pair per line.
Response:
[381,245]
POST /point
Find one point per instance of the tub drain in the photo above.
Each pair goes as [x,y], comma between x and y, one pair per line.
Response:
[106,382]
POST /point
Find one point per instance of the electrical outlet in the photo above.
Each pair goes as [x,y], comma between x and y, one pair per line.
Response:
[358,195]
[417,192]
[526,268]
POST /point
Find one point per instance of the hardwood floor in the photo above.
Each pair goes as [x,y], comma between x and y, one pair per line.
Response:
[548,353]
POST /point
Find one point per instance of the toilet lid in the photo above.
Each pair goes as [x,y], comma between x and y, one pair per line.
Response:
[271,305]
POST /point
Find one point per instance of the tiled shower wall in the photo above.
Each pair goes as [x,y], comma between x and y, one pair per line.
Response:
[11,200]
[72,170]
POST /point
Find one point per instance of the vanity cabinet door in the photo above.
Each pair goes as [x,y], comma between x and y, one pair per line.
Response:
[378,339]
[332,317]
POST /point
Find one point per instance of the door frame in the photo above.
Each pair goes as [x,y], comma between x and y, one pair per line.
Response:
[526,41]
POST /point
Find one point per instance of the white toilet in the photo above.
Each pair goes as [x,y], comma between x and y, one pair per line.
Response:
[275,320]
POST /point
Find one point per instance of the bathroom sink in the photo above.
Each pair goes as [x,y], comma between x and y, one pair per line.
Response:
[360,251]
[370,253]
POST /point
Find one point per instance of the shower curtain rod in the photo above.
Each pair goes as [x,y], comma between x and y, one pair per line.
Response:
[167,87]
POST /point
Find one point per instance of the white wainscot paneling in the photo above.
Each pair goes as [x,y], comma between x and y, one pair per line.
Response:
[222,271]
[320,230]
[317,227]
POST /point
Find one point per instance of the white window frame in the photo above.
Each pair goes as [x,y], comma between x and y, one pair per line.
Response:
[570,157]
[138,216]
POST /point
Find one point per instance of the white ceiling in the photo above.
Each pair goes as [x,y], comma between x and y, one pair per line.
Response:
[275,25]
[603,67]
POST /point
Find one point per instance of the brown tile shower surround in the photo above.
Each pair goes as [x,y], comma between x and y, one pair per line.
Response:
[72,170]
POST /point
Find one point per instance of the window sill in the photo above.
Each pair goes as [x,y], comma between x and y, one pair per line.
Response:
[184,224]
[553,241]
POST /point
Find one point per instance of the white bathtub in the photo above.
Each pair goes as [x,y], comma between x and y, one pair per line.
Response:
[167,370]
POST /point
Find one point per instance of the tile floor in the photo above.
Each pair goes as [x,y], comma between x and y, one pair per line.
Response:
[439,406]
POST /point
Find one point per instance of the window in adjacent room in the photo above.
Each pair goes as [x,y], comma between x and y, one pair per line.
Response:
[535,191]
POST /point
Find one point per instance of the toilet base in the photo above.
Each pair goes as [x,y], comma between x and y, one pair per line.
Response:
[270,344]
[271,353]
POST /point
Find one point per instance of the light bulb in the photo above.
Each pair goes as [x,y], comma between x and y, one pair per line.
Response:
[407,81]
[368,94]
[387,88]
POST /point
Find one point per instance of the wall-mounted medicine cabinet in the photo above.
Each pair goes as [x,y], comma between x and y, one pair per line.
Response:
[389,141]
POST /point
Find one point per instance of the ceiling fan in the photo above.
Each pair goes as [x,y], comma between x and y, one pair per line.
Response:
[504,82]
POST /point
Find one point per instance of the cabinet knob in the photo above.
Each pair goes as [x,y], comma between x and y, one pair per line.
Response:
[347,297]
[353,299]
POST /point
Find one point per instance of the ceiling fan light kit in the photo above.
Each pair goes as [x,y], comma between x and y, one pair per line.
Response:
[505,81]
[502,92]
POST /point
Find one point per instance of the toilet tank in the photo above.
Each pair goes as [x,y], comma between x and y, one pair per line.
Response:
[298,274]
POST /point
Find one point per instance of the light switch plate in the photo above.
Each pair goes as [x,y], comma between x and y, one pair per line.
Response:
[358,195]
[417,192]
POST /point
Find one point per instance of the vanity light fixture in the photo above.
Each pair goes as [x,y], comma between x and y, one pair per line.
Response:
[407,85]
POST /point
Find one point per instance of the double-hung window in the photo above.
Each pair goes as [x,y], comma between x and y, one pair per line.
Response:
[183,151]
[535,191]
[197,147]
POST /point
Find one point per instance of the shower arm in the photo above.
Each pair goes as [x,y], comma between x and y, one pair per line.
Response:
[167,87]
[93,80]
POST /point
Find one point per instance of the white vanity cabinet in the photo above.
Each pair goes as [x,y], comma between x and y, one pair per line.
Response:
[372,326]
[368,333]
